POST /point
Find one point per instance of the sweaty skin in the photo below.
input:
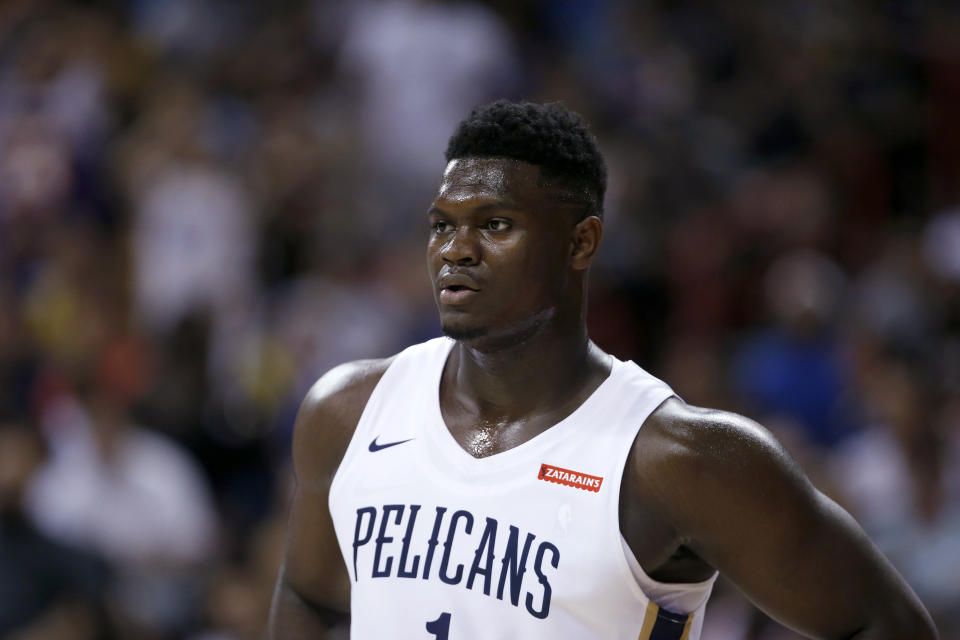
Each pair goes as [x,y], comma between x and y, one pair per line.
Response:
[703,490]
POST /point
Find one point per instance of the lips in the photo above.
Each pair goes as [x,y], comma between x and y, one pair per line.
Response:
[457,287]
[458,282]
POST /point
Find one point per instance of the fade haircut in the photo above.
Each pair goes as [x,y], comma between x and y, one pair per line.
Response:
[549,136]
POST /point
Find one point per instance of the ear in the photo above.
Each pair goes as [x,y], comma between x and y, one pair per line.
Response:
[584,242]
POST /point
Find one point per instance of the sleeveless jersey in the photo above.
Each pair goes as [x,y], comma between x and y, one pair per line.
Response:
[521,544]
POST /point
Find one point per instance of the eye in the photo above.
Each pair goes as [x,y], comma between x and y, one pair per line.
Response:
[440,226]
[497,224]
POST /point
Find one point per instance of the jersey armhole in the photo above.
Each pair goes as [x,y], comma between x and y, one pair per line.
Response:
[679,598]
[437,347]
[676,597]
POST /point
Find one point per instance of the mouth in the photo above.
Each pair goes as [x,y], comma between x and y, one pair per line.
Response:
[453,294]
[457,287]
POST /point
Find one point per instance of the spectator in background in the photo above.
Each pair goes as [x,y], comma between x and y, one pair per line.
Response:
[419,65]
[132,496]
[48,590]
[192,227]
[794,371]
[894,476]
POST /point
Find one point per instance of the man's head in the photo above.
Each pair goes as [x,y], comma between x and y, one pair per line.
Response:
[548,136]
[515,223]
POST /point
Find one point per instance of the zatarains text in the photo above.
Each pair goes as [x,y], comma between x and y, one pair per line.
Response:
[569,478]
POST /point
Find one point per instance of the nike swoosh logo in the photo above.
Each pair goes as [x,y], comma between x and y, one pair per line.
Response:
[374,447]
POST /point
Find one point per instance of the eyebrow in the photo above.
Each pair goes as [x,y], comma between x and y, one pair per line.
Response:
[480,208]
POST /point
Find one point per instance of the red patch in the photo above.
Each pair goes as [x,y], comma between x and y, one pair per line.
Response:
[569,478]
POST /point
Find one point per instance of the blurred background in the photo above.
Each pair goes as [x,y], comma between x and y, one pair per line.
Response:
[205,204]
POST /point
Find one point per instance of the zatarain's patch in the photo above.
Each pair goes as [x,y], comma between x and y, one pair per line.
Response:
[569,478]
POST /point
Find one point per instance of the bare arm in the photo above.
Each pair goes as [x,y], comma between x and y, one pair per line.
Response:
[312,597]
[292,617]
[735,498]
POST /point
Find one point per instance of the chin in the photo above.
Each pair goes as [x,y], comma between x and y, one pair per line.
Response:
[463,333]
[487,338]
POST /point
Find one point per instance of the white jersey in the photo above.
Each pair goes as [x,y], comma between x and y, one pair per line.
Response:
[522,544]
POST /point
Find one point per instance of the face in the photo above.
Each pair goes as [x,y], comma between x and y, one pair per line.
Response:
[499,253]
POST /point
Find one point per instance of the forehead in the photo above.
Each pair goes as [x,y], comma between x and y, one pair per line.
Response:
[491,178]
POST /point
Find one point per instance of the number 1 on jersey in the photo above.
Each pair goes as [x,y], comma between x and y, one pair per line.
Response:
[440,627]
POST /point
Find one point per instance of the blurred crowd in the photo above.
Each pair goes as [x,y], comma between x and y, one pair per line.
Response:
[205,204]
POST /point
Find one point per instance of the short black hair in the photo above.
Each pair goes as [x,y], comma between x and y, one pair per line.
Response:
[549,136]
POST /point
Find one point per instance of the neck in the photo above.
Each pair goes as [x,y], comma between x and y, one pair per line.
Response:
[533,375]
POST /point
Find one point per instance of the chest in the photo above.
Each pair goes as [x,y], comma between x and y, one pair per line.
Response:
[482,439]
[481,436]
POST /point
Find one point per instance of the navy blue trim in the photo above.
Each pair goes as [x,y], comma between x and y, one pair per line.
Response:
[669,626]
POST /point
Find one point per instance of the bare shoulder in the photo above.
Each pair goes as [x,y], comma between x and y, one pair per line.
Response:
[328,416]
[679,430]
[690,453]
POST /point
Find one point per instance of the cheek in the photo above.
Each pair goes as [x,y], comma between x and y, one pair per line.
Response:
[546,258]
[432,255]
[534,271]
[551,270]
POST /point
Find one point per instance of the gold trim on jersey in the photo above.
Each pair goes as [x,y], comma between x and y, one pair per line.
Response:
[664,625]
[649,619]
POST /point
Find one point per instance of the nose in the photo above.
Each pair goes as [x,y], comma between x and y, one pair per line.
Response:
[461,248]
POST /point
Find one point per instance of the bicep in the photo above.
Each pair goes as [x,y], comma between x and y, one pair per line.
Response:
[311,596]
[746,508]
[313,589]
[313,564]
[313,568]
[805,562]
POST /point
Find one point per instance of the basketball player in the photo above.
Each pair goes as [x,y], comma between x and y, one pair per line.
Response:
[512,480]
